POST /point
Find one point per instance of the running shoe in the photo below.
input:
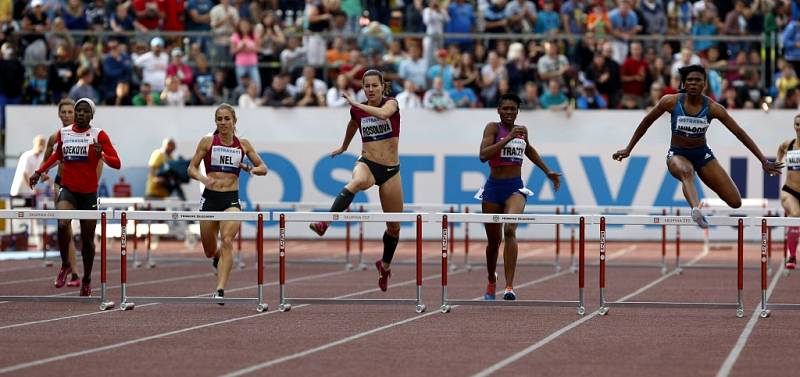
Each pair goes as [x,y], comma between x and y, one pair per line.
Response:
[219,294]
[699,218]
[319,228]
[61,278]
[791,263]
[491,289]
[86,289]
[509,294]
[75,281]
[215,263]
[383,276]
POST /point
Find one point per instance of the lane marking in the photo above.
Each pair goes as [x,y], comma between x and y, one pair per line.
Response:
[730,361]
[541,343]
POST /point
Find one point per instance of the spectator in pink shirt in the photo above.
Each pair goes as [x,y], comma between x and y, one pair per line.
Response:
[244,48]
[179,69]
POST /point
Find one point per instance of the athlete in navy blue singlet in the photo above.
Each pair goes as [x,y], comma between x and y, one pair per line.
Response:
[692,112]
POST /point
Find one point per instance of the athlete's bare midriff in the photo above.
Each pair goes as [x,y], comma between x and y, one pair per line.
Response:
[384,152]
[223,181]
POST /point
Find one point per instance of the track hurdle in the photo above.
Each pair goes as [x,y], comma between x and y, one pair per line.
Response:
[361,217]
[672,220]
[445,218]
[105,304]
[128,302]
[529,210]
[630,210]
[766,224]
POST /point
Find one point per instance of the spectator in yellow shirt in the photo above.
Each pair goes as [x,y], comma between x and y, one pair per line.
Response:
[157,187]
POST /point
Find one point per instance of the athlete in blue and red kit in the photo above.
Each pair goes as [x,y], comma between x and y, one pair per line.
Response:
[378,121]
[505,145]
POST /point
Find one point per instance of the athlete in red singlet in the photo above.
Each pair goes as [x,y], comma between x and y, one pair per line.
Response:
[79,148]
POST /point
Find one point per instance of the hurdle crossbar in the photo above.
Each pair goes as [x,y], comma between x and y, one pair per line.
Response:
[632,210]
[128,302]
[446,218]
[282,217]
[766,224]
[674,220]
[105,304]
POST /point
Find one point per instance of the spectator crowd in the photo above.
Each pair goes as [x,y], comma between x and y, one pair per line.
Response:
[586,54]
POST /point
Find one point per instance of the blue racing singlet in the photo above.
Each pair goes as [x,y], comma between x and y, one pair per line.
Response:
[686,125]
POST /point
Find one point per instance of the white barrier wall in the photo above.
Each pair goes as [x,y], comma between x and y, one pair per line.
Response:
[439,162]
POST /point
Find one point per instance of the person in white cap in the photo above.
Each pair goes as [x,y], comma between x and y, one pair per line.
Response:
[154,65]
[80,147]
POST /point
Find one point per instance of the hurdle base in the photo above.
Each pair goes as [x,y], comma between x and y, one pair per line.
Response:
[345,301]
[710,266]
[669,305]
[630,265]
[540,303]
[107,305]
[194,300]
[783,306]
[88,299]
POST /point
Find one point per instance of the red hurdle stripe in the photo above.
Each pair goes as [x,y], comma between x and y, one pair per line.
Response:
[260,248]
[123,247]
[663,236]
[282,248]
[558,234]
[444,250]
[103,247]
[740,262]
[602,252]
[419,250]
[764,236]
[466,237]
[135,230]
[581,245]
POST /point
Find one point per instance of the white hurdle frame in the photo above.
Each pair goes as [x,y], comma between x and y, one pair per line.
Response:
[740,223]
[102,216]
[140,203]
[547,209]
[446,218]
[628,210]
[128,302]
[766,225]
[285,303]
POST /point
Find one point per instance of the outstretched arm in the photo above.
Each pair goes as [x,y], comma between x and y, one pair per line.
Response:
[665,104]
[717,111]
[384,112]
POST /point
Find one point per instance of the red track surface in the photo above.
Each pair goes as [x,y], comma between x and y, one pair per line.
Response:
[44,339]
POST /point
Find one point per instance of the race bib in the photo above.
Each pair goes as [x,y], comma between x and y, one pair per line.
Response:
[514,151]
[793,160]
[373,129]
[691,126]
[225,159]
[75,146]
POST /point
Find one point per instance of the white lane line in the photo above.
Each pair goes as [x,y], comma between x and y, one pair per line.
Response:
[729,362]
[351,338]
[39,362]
[513,358]
[299,279]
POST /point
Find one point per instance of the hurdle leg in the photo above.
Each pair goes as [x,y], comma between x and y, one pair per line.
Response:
[764,268]
[45,262]
[467,265]
[581,265]
[678,245]
[136,263]
[740,265]
[445,308]
[239,262]
[451,265]
[361,264]
[262,306]
[123,272]
[558,242]
[663,245]
[283,306]
[769,250]
[603,310]
[420,308]
[347,264]
[573,266]
[105,304]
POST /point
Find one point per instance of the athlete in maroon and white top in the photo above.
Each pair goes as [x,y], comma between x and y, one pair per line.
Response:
[378,121]
[222,154]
